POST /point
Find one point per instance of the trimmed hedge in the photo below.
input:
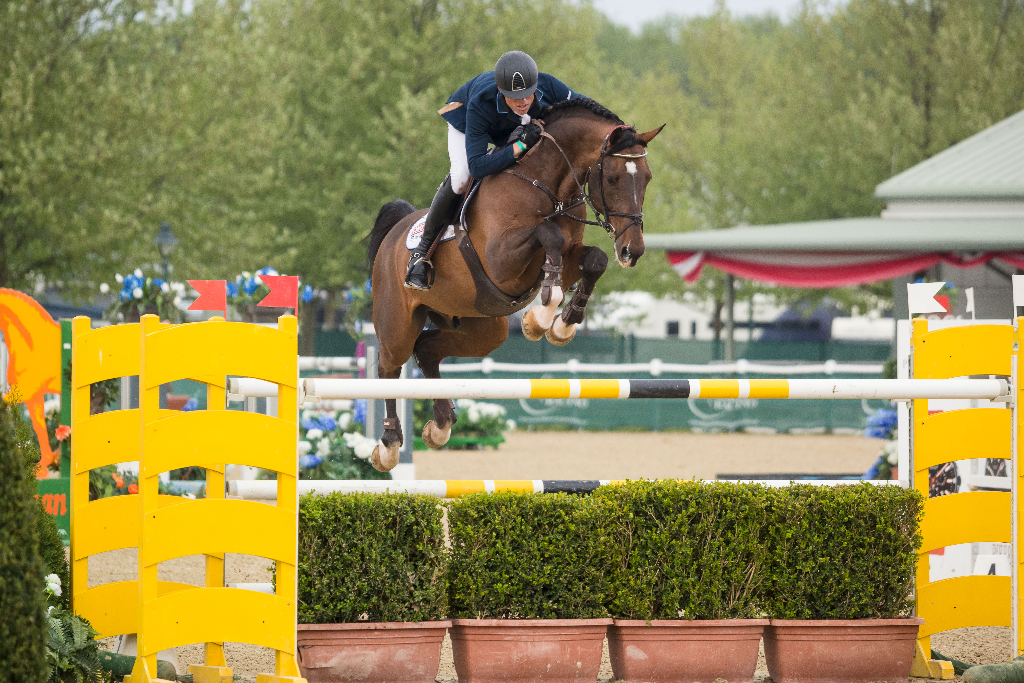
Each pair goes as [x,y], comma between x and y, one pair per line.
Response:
[844,552]
[376,557]
[23,625]
[685,549]
[51,551]
[525,556]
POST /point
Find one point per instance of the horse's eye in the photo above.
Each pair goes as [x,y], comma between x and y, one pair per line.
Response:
[611,180]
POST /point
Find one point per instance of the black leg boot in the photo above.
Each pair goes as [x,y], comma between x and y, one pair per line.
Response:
[420,274]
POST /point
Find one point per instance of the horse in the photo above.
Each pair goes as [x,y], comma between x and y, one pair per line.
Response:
[520,232]
[33,370]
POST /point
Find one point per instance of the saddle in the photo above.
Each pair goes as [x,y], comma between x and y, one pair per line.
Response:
[490,301]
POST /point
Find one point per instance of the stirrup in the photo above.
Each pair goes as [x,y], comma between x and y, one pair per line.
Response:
[415,262]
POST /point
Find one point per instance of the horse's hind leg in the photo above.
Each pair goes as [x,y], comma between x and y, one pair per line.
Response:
[538,319]
[593,262]
[396,344]
[475,337]
[384,459]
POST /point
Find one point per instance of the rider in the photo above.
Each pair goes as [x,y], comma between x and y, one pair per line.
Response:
[486,109]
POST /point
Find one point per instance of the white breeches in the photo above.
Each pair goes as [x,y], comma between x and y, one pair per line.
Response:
[460,163]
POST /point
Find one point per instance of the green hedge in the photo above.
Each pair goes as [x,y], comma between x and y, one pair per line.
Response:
[523,556]
[844,552]
[364,556]
[639,550]
[688,550]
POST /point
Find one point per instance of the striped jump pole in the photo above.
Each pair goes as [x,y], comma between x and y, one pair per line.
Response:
[990,389]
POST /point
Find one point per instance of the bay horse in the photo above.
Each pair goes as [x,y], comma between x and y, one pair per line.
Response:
[521,231]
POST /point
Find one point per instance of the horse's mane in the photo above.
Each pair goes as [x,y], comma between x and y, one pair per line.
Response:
[579,105]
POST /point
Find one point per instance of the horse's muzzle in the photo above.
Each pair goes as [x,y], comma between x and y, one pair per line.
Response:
[628,254]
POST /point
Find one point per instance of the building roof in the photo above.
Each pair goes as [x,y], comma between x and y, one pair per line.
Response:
[962,235]
[986,166]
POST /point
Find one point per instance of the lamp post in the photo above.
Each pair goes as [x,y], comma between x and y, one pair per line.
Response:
[165,242]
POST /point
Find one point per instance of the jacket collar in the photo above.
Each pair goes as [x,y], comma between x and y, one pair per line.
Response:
[502,108]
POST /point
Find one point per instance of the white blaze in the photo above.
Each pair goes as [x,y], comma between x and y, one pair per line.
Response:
[631,167]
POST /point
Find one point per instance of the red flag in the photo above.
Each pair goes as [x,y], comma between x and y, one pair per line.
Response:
[213,296]
[284,291]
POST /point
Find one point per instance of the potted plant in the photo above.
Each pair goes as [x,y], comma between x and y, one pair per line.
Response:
[840,577]
[686,565]
[141,294]
[372,594]
[526,588]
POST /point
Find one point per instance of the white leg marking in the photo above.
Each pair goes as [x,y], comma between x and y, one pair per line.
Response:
[545,315]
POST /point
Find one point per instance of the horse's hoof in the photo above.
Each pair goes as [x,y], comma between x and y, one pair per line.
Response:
[434,436]
[531,328]
[384,458]
[560,334]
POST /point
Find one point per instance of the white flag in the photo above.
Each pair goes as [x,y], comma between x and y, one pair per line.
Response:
[970,300]
[1018,292]
[921,297]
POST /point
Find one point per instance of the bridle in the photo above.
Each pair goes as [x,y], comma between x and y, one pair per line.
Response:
[584,187]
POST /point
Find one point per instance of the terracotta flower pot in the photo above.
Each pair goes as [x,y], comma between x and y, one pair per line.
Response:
[549,650]
[681,651]
[371,652]
[847,650]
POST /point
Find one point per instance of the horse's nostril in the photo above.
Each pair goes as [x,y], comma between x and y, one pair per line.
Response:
[625,253]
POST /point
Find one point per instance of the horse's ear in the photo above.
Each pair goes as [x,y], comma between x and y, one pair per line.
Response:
[650,135]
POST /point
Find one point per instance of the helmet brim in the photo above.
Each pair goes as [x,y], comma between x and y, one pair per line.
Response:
[518,94]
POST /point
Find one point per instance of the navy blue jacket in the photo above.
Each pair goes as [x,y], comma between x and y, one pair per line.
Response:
[484,117]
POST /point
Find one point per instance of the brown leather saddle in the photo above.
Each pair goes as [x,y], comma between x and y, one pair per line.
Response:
[490,301]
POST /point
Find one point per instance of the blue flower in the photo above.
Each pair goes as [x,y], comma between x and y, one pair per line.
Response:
[873,470]
[125,295]
[368,286]
[881,424]
[249,285]
[266,271]
[190,405]
[309,460]
[232,290]
[157,281]
[310,423]
[131,282]
[327,423]
[307,294]
[348,295]
[359,412]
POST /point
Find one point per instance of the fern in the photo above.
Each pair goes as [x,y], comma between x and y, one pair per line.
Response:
[71,650]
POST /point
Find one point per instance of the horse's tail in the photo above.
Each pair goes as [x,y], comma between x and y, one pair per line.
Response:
[387,218]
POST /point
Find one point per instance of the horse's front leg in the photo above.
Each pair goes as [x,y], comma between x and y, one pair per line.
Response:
[538,320]
[592,263]
[385,454]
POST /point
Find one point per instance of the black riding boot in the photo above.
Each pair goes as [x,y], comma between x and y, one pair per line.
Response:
[420,274]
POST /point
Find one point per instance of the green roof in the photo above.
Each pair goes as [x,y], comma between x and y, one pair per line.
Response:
[855,234]
[986,166]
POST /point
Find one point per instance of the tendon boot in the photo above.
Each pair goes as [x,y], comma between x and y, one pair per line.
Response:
[421,272]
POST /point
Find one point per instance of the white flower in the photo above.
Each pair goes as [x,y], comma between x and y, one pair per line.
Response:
[344,420]
[119,278]
[304,447]
[510,424]
[258,280]
[53,585]
[138,272]
[464,403]
[306,414]
[245,274]
[49,610]
[104,288]
[177,301]
[323,448]
[314,434]
[165,288]
[137,292]
[189,495]
[362,446]
[178,287]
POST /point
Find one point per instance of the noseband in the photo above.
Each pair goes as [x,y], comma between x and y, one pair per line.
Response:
[584,187]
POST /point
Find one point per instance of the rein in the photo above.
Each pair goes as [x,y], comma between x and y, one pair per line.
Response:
[584,195]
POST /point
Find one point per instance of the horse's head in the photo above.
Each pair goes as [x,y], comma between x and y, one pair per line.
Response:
[618,185]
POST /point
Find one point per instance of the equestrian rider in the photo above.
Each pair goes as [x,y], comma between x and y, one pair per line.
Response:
[486,109]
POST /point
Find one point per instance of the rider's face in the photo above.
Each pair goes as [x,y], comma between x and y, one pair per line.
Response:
[520,106]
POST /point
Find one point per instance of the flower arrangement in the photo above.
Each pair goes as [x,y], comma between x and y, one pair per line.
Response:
[479,424]
[332,445]
[142,294]
[248,290]
[882,425]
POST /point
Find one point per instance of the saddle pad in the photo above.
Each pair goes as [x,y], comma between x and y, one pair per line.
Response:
[416,232]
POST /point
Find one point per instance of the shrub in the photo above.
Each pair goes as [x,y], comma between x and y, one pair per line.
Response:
[684,549]
[51,551]
[376,557]
[523,556]
[844,552]
[22,613]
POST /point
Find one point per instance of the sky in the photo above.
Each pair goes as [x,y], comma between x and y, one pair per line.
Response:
[634,13]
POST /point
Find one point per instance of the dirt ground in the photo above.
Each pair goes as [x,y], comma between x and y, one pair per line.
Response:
[583,455]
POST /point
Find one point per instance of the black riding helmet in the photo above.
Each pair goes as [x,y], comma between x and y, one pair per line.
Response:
[516,75]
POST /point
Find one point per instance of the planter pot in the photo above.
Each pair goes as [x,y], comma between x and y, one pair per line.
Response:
[680,651]
[369,652]
[550,650]
[848,650]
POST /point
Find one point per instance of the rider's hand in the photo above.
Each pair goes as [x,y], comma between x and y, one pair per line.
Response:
[529,137]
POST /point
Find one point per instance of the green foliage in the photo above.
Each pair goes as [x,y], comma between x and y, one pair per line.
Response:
[685,549]
[376,557]
[477,420]
[516,556]
[72,652]
[51,551]
[844,552]
[22,613]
